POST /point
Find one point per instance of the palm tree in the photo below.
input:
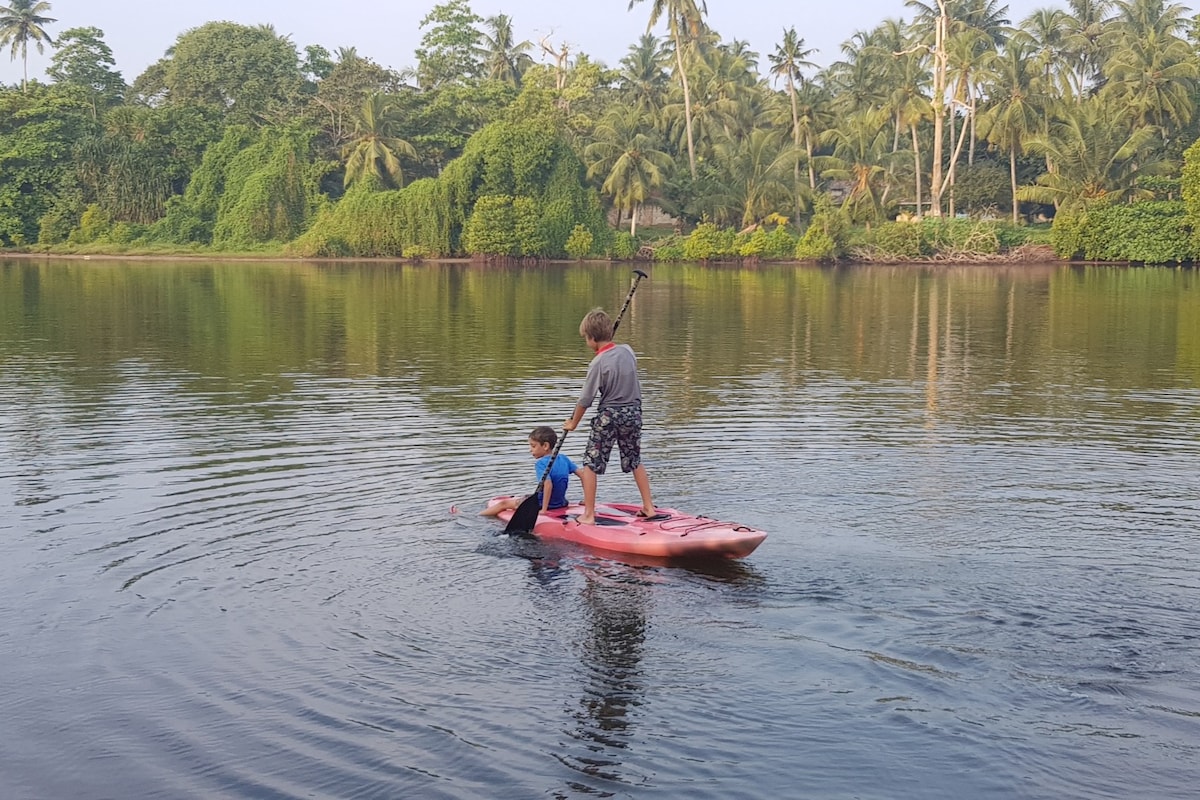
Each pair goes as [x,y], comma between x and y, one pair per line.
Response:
[911,107]
[1097,153]
[503,59]
[759,165]
[374,152]
[1016,108]
[860,151]
[685,21]
[1045,31]
[1085,25]
[643,78]
[1152,69]
[627,157]
[21,23]
[816,116]
[789,58]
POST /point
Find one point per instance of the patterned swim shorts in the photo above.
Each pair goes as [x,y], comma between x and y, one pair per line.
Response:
[620,424]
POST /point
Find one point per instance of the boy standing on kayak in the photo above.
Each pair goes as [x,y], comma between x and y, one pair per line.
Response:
[553,493]
[618,419]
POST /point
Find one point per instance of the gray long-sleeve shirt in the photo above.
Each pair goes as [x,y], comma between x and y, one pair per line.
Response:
[613,374]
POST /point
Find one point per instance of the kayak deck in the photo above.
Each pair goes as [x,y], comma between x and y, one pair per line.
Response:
[668,534]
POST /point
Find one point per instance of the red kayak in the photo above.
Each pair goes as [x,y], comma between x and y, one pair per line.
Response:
[668,534]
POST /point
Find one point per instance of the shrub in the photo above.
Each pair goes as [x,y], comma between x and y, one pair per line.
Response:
[903,240]
[579,243]
[670,250]
[93,226]
[780,243]
[624,246]
[816,245]
[708,242]
[827,236]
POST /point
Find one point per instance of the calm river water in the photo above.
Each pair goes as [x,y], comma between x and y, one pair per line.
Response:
[229,564]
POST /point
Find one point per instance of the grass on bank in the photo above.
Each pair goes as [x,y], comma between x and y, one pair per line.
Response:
[919,240]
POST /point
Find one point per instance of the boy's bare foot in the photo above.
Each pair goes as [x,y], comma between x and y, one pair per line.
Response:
[644,513]
[588,521]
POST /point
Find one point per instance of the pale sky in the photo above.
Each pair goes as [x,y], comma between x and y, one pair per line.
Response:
[139,31]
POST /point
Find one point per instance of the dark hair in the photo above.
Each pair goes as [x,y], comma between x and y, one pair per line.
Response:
[544,434]
[597,326]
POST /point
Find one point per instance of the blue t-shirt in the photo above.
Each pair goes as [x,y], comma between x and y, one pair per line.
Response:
[560,474]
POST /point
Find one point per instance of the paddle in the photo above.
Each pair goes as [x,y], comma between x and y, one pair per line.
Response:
[524,518]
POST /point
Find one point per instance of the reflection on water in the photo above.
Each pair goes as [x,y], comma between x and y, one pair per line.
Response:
[228,566]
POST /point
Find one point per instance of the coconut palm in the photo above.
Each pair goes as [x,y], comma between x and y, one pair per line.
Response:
[626,155]
[860,80]
[1152,69]
[1086,22]
[861,151]
[910,107]
[643,79]
[374,152]
[1045,33]
[759,166]
[21,22]
[503,59]
[816,115]
[1016,107]
[788,62]
[1096,153]
[685,21]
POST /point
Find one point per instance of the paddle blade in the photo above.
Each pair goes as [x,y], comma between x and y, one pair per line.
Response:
[524,518]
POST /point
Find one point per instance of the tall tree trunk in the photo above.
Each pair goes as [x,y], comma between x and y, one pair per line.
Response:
[916,164]
[812,170]
[939,109]
[1012,178]
[795,143]
[633,219]
[687,104]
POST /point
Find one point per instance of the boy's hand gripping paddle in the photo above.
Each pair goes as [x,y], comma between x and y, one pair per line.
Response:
[525,517]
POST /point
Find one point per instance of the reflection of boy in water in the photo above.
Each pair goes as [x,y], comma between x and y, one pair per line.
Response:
[553,493]
[618,418]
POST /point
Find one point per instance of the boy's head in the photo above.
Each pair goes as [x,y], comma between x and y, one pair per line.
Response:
[597,326]
[542,441]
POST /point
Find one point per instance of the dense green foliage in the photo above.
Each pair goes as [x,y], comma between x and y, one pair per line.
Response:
[516,191]
[1148,232]
[239,139]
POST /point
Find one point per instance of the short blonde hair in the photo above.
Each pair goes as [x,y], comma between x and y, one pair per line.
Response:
[597,326]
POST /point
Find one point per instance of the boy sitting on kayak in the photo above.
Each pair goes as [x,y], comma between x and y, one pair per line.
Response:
[553,493]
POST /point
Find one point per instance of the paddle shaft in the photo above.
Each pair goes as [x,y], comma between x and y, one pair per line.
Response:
[525,516]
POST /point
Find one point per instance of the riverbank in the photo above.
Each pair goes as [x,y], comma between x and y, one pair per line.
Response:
[1024,254]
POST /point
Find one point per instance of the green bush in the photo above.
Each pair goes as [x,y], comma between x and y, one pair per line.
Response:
[754,245]
[827,236]
[1067,232]
[816,245]
[670,250]
[904,240]
[708,242]
[1148,232]
[780,243]
[93,226]
[579,243]
[624,246]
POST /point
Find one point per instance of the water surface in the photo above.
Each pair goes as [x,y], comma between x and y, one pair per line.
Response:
[229,564]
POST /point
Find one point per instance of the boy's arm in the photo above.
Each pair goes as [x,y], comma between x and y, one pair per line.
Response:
[573,422]
[547,488]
